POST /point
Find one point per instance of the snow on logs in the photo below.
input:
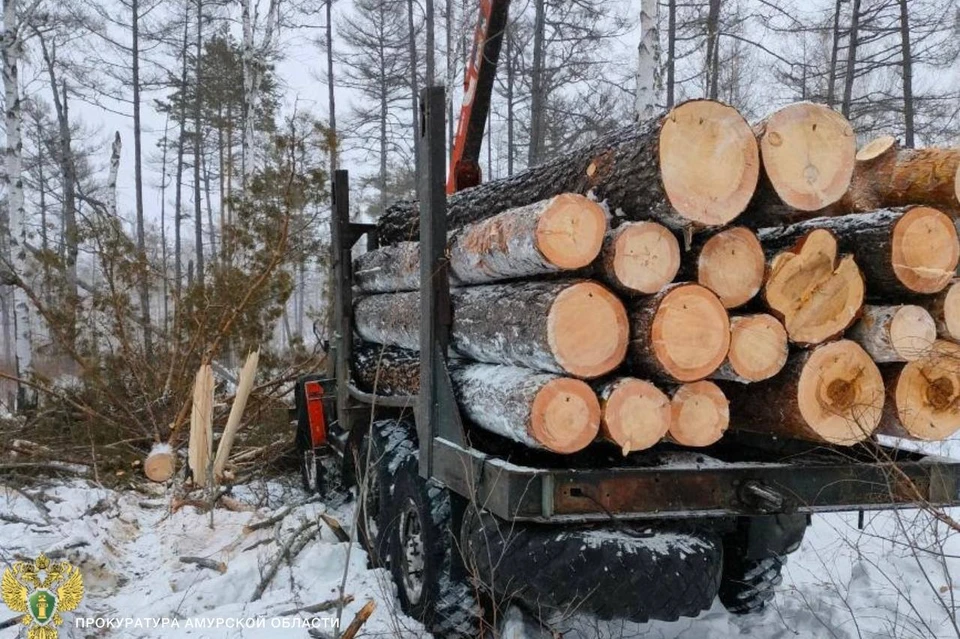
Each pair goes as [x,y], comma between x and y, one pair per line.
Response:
[832,394]
[681,334]
[694,166]
[578,328]
[537,409]
[923,396]
[562,233]
[635,413]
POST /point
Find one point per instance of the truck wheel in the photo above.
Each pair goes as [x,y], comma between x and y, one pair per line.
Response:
[388,440]
[748,585]
[424,560]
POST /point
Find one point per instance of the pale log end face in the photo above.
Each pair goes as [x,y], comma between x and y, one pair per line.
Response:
[912,332]
[816,299]
[570,232]
[160,465]
[587,330]
[690,333]
[565,415]
[732,265]
[876,148]
[808,153]
[925,250]
[951,311]
[841,393]
[928,394]
[646,257]
[636,415]
[956,184]
[758,346]
[701,414]
[709,162]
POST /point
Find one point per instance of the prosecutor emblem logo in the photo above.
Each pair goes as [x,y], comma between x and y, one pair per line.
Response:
[41,590]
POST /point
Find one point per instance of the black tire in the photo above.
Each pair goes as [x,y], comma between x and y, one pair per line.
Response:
[375,463]
[424,561]
[748,584]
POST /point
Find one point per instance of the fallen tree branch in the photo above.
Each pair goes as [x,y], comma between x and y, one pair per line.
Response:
[335,527]
[203,562]
[291,548]
[323,606]
[359,620]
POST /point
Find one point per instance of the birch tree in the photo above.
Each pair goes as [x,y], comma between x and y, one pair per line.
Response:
[649,79]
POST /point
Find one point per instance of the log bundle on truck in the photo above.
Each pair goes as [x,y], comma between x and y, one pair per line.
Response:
[621,381]
[756,277]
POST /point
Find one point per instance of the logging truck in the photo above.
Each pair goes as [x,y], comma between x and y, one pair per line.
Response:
[468,520]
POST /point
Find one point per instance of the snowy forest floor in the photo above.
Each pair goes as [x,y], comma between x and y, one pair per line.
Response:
[894,578]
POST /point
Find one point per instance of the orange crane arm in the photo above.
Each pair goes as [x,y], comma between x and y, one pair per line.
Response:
[477,89]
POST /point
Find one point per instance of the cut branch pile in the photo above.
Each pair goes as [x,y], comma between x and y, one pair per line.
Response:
[592,295]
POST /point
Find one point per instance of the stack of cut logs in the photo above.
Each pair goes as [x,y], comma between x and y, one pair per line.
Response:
[686,275]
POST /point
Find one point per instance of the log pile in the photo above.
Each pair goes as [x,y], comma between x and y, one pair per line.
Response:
[686,276]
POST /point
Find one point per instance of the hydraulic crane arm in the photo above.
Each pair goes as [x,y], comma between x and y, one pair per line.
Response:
[477,89]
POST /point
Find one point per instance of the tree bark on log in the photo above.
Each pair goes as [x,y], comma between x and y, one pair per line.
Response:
[886,175]
[578,328]
[923,398]
[700,414]
[830,394]
[635,414]
[894,333]
[901,252]
[539,410]
[695,166]
[730,263]
[639,258]
[945,309]
[563,233]
[758,349]
[681,334]
[816,295]
[807,151]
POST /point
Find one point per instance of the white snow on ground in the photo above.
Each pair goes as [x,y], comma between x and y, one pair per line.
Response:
[131,568]
[895,578]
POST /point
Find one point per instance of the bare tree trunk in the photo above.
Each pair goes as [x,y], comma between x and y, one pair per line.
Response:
[508,37]
[112,176]
[907,76]
[713,49]
[252,60]
[851,59]
[178,197]
[649,80]
[211,229]
[431,42]
[138,184]
[331,95]
[44,235]
[197,210]
[834,51]
[537,97]
[12,180]
[382,177]
[163,224]
[671,51]
[414,90]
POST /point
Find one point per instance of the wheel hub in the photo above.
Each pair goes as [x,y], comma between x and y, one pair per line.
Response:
[411,551]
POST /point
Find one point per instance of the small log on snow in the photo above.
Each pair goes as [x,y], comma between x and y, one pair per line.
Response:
[700,414]
[808,155]
[559,234]
[681,334]
[200,448]
[160,464]
[573,327]
[640,257]
[901,252]
[895,333]
[758,349]
[887,175]
[635,413]
[816,295]
[923,399]
[695,166]
[830,394]
[730,263]
[537,409]
[385,370]
[944,307]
